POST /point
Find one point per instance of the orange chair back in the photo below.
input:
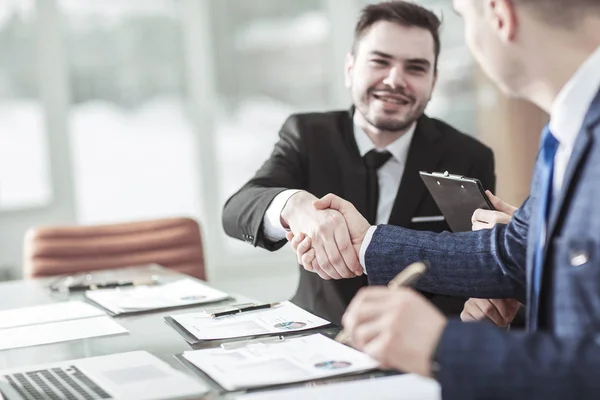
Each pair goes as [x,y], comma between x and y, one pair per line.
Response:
[172,243]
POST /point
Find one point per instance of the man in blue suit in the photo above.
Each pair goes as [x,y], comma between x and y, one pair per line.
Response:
[546,51]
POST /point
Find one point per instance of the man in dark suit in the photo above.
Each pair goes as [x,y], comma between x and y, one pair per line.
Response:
[548,255]
[370,155]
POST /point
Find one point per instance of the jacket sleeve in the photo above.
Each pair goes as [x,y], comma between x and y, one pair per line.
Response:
[285,169]
[489,263]
[478,361]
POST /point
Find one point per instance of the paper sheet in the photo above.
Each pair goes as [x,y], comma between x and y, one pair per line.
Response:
[292,360]
[398,387]
[141,298]
[56,332]
[63,311]
[283,318]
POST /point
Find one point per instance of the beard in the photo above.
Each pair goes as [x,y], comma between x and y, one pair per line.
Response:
[391,120]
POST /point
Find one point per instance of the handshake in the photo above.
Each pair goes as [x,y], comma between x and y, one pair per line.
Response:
[326,234]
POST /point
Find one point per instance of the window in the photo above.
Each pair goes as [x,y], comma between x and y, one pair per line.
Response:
[133,145]
[272,60]
[24,164]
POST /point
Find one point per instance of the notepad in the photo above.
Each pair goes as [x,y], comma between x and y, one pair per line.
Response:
[284,318]
[63,311]
[291,360]
[397,387]
[180,293]
[56,332]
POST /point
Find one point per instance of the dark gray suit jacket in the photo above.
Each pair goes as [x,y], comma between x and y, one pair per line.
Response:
[318,153]
[561,358]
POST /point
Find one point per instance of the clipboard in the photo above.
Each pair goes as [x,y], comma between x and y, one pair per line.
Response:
[457,197]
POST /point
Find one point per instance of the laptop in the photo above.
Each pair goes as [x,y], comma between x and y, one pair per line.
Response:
[134,375]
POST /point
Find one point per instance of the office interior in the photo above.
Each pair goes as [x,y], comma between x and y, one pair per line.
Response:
[126,110]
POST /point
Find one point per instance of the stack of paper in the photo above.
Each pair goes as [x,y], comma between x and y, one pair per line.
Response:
[54,323]
[397,387]
[55,312]
[284,318]
[287,361]
[180,293]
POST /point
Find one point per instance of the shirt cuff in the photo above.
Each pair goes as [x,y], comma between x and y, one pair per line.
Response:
[363,247]
[272,228]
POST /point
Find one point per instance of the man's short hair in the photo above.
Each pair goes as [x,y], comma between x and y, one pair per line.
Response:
[402,13]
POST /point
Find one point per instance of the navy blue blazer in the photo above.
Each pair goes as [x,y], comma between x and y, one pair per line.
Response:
[561,358]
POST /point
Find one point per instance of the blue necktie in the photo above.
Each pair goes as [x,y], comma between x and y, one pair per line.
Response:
[547,152]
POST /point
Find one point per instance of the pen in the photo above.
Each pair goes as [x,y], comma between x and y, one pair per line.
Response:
[404,278]
[243,309]
[109,285]
[244,343]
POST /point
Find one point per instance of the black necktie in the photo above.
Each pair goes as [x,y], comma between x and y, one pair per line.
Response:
[373,161]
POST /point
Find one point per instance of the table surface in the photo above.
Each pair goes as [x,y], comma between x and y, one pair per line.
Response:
[147,331]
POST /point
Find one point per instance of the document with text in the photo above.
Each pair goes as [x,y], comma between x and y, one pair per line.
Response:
[397,387]
[36,315]
[283,318]
[273,363]
[144,298]
[56,332]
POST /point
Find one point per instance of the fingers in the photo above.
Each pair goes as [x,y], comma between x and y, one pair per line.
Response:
[508,308]
[481,309]
[466,316]
[290,236]
[477,226]
[488,218]
[323,260]
[329,201]
[500,205]
[335,257]
[295,239]
[343,242]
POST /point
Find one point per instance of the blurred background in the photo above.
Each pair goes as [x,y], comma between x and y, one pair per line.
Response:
[122,110]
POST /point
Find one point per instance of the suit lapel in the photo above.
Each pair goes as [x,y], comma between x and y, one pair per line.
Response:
[354,174]
[423,155]
[582,145]
[561,203]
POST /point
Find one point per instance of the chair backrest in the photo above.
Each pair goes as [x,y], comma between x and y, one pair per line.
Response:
[172,243]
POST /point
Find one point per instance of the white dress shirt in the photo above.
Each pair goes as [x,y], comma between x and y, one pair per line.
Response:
[389,177]
[566,120]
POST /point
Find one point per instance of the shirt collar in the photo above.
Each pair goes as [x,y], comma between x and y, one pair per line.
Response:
[398,148]
[572,103]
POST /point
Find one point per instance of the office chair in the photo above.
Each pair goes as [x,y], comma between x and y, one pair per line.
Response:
[172,243]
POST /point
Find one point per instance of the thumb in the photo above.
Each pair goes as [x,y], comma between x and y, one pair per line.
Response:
[329,201]
[499,204]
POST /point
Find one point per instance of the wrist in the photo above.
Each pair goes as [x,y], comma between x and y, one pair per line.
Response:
[297,201]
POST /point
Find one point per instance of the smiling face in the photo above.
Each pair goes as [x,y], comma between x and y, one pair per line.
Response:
[391,75]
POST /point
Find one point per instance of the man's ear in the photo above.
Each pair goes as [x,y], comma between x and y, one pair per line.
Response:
[348,67]
[503,17]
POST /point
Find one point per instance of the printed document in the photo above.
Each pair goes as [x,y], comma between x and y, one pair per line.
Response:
[55,332]
[63,311]
[397,387]
[283,318]
[290,360]
[144,298]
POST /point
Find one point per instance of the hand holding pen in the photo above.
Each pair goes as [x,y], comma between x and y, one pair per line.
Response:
[404,278]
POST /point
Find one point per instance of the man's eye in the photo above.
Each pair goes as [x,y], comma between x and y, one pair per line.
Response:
[379,62]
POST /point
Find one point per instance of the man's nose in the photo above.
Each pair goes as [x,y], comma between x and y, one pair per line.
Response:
[395,78]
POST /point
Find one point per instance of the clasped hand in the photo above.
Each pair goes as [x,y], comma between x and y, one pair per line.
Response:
[329,244]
